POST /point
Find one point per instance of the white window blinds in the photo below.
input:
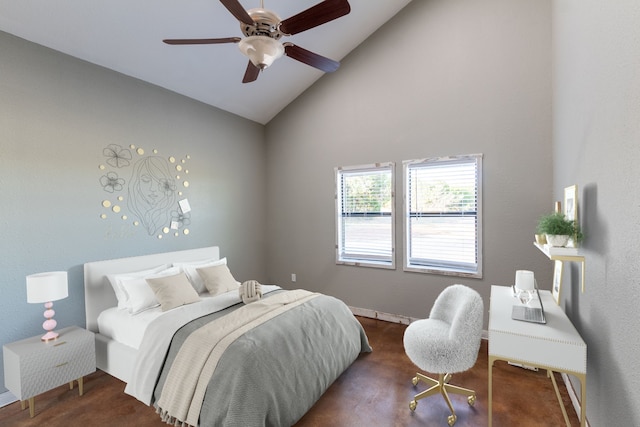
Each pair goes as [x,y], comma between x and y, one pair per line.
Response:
[443,215]
[365,215]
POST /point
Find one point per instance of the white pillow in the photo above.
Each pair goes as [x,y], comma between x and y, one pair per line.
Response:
[189,268]
[141,297]
[173,291]
[116,279]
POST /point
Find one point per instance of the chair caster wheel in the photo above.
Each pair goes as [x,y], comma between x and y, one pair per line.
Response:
[471,399]
[414,381]
[452,420]
[412,405]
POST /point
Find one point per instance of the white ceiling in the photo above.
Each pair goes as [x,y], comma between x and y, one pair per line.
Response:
[126,36]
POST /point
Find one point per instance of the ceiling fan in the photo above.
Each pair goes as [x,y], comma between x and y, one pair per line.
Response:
[263,30]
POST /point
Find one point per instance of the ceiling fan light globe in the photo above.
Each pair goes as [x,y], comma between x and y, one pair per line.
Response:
[261,50]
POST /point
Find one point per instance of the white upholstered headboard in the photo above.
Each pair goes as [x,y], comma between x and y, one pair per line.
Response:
[98,293]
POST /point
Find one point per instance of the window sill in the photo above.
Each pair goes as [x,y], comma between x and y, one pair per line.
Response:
[371,264]
[442,271]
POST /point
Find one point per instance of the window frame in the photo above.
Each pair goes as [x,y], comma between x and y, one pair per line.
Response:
[434,268]
[363,260]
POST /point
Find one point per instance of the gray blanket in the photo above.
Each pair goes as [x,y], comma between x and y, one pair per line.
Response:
[274,373]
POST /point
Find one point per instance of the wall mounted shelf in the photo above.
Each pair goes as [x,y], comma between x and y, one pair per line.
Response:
[563,254]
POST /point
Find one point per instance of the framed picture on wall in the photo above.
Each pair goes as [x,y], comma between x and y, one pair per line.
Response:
[571,203]
[571,209]
[557,281]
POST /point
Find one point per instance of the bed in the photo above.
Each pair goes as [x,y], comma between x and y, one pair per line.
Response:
[217,360]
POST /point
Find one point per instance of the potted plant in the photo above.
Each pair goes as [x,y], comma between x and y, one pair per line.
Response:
[558,229]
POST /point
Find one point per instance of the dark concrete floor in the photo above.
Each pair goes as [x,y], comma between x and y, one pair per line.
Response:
[374,391]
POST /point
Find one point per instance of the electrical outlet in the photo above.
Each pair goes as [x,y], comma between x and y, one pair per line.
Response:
[293,277]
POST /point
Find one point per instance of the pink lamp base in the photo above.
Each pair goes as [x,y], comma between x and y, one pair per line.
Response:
[49,324]
[51,335]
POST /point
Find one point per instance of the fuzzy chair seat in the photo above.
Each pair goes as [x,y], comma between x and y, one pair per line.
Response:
[447,342]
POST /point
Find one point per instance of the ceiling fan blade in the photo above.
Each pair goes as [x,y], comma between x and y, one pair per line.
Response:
[238,11]
[316,15]
[203,41]
[307,57]
[251,74]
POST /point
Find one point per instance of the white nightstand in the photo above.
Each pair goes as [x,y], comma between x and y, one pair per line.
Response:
[32,366]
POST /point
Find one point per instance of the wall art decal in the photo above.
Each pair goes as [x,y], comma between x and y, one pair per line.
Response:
[184,206]
[111,182]
[117,156]
[149,189]
[152,192]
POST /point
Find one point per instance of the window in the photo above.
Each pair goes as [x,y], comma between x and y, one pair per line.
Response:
[365,215]
[443,221]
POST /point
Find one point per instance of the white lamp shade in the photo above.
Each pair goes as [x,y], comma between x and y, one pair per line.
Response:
[261,50]
[525,280]
[47,287]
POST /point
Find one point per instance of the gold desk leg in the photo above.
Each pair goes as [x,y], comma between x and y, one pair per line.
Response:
[23,405]
[583,399]
[32,407]
[71,385]
[491,360]
[555,387]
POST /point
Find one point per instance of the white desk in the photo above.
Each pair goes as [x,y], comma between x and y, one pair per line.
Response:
[554,346]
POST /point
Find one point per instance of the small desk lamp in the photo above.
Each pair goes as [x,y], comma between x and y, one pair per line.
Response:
[45,288]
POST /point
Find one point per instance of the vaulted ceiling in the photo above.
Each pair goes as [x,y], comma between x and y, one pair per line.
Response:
[126,36]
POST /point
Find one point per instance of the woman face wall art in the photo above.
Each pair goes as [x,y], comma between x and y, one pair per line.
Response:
[152,193]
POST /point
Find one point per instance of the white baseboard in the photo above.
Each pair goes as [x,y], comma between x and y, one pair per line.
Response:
[387,317]
[520,365]
[393,318]
[573,396]
[7,398]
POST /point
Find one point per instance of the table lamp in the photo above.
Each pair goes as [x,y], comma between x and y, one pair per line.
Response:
[525,285]
[46,288]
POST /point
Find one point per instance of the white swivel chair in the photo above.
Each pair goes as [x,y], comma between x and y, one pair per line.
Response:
[447,342]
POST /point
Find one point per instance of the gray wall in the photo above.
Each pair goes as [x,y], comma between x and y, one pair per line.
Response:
[443,77]
[597,146]
[56,116]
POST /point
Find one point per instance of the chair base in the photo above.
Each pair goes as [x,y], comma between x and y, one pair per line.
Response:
[443,387]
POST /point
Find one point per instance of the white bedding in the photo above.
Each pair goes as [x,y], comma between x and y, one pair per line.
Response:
[112,356]
[129,329]
[125,328]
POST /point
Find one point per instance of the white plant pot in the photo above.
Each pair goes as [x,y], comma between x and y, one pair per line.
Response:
[557,240]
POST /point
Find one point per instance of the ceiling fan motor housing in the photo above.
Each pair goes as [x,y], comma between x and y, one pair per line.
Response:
[266,23]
